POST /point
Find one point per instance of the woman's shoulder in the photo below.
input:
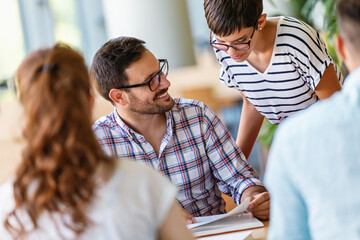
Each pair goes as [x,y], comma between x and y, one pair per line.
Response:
[293,26]
[131,173]
[6,186]
[130,167]
[6,195]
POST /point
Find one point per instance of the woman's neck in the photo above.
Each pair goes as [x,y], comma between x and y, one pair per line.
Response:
[267,36]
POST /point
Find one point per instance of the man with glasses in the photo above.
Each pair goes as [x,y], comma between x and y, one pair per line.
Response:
[279,65]
[179,137]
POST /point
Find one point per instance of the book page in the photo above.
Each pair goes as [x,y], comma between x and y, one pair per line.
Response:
[208,219]
[228,224]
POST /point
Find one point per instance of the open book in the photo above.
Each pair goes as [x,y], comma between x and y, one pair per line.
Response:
[231,221]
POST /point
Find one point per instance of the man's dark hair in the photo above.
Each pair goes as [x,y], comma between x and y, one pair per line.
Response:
[348,17]
[226,16]
[111,60]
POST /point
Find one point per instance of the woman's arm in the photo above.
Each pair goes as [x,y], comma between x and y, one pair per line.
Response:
[328,84]
[249,127]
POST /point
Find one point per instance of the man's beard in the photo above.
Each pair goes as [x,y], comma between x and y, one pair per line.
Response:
[155,107]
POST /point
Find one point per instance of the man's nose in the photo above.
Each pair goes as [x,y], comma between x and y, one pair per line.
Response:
[164,82]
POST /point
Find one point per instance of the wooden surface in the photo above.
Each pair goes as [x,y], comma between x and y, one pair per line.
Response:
[260,233]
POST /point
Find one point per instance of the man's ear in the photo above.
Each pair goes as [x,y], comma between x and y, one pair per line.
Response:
[118,96]
[340,48]
[91,101]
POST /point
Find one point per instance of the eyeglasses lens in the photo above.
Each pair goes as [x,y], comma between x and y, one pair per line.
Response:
[236,46]
[155,81]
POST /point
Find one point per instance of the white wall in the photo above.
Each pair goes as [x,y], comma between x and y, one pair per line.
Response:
[163,24]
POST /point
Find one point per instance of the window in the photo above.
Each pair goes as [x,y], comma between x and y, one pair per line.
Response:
[66,26]
[11,44]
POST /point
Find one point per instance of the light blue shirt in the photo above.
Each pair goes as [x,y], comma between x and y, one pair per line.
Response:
[313,172]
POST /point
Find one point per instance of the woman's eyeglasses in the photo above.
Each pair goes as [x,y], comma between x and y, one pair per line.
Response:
[237,46]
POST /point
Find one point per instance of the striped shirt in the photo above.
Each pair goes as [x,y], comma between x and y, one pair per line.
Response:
[197,154]
[298,61]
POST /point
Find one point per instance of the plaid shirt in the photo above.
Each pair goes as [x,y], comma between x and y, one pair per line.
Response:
[197,154]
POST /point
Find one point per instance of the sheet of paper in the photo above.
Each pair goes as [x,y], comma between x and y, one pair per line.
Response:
[208,219]
[229,236]
[229,224]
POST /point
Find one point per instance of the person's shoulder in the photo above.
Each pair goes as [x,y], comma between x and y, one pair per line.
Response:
[294,22]
[6,197]
[107,121]
[296,27]
[181,104]
[127,166]
[131,167]
[137,174]
[317,118]
[6,188]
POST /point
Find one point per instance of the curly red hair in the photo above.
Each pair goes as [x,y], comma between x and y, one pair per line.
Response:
[62,159]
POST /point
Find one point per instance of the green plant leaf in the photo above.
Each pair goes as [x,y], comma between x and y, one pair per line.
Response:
[266,133]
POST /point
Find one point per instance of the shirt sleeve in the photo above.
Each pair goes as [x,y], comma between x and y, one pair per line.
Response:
[307,50]
[227,161]
[225,74]
[288,209]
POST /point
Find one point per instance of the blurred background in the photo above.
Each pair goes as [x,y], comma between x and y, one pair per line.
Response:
[172,29]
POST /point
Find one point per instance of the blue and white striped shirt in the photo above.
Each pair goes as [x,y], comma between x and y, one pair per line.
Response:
[298,62]
[197,154]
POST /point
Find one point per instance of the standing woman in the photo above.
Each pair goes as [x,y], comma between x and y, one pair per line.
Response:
[65,186]
[280,65]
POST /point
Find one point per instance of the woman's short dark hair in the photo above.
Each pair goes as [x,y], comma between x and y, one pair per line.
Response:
[226,16]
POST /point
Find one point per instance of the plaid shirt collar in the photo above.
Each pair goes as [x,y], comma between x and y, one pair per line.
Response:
[132,134]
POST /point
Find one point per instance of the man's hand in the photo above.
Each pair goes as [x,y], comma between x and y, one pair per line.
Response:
[188,217]
[260,205]
[259,201]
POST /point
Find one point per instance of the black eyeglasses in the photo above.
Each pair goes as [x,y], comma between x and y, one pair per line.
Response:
[236,46]
[154,81]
